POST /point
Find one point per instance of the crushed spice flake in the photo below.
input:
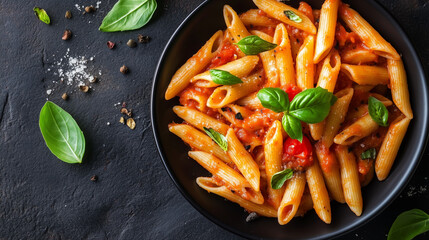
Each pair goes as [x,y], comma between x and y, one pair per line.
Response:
[131,123]
[122,120]
[110,44]
[84,88]
[65,96]
[66,35]
[94,178]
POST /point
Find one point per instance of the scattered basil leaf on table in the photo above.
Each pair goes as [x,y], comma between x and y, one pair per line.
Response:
[369,154]
[274,98]
[218,138]
[293,127]
[378,111]
[252,45]
[61,133]
[128,15]
[408,225]
[279,178]
[224,77]
[312,105]
[292,16]
[42,15]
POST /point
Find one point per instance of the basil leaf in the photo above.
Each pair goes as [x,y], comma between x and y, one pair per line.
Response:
[223,77]
[128,15]
[274,98]
[279,178]
[61,133]
[292,16]
[42,15]
[312,105]
[218,138]
[292,126]
[378,111]
[408,225]
[369,154]
[252,45]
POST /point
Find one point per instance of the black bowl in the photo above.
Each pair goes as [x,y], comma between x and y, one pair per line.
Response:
[188,38]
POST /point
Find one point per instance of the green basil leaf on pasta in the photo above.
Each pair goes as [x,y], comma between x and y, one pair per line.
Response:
[369,154]
[274,98]
[378,111]
[252,45]
[42,15]
[218,138]
[279,178]
[408,225]
[293,127]
[128,15]
[312,105]
[223,77]
[61,133]
[292,16]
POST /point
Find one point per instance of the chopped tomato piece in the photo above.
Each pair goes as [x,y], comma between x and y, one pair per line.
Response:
[291,90]
[297,155]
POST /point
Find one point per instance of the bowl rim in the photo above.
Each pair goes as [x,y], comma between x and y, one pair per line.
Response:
[412,167]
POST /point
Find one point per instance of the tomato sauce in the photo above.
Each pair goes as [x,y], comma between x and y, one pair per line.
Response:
[227,54]
[296,155]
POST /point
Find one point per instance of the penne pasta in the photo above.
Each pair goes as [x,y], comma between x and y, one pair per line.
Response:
[199,119]
[326,32]
[370,37]
[291,198]
[276,10]
[363,127]
[251,101]
[210,185]
[283,56]
[319,194]
[358,56]
[304,64]
[239,68]
[399,86]
[193,66]
[268,60]
[198,140]
[350,179]
[253,18]
[243,160]
[234,24]
[366,75]
[390,147]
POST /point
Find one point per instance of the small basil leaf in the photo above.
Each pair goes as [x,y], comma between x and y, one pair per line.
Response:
[408,225]
[312,105]
[292,126]
[61,133]
[292,16]
[279,178]
[369,154]
[42,15]
[378,111]
[128,15]
[223,77]
[274,98]
[218,138]
[252,45]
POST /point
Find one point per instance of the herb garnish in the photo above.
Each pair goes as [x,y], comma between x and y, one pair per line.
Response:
[292,16]
[378,111]
[128,15]
[61,133]
[217,137]
[42,15]
[408,225]
[252,45]
[310,106]
[223,77]
[279,178]
[369,154]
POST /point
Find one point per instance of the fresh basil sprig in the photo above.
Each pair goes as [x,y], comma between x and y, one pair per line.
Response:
[224,77]
[274,99]
[279,178]
[310,106]
[217,137]
[369,154]
[408,225]
[252,45]
[128,15]
[42,15]
[61,133]
[378,111]
[292,16]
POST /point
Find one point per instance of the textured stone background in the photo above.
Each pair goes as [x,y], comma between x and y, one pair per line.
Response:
[44,198]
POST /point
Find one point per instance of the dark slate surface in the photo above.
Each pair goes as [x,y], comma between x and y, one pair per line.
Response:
[44,198]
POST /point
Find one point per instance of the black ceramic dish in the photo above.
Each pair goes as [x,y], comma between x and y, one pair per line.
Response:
[189,37]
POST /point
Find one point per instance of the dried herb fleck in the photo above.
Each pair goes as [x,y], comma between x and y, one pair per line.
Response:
[68,14]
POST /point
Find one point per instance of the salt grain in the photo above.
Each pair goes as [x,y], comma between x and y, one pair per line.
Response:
[74,70]
[49,91]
